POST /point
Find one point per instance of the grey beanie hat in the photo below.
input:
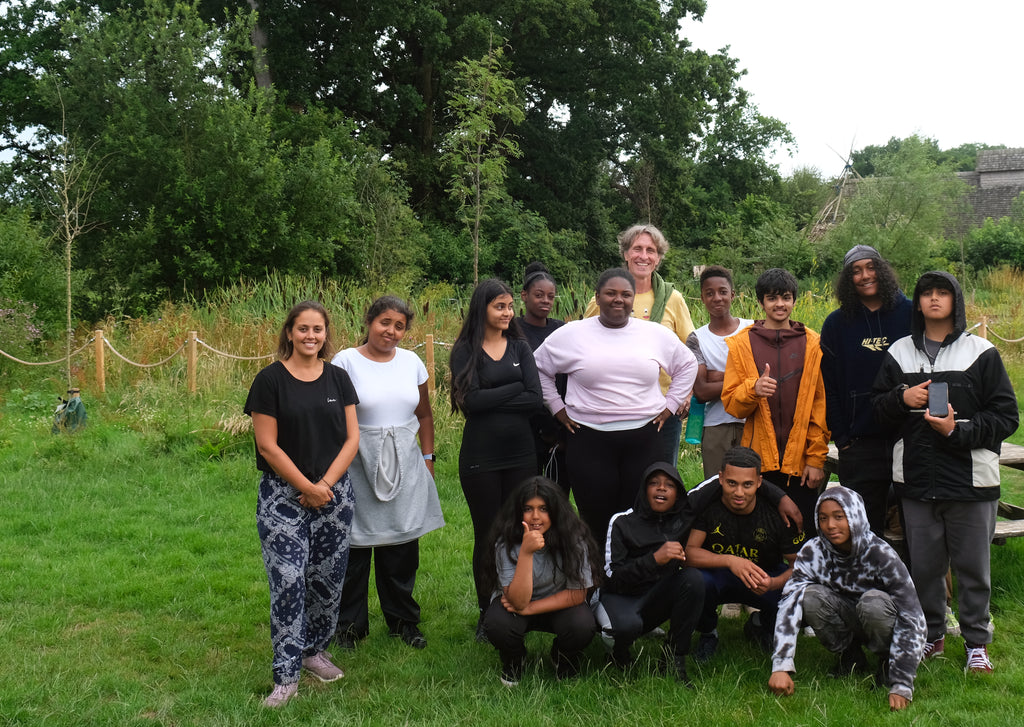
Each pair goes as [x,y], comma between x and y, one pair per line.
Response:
[860,252]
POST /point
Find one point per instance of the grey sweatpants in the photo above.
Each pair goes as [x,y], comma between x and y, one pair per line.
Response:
[940,533]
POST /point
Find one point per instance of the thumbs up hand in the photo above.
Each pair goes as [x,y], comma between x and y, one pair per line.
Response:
[765,385]
[533,540]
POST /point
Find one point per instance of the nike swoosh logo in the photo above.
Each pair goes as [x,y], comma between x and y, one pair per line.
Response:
[515,364]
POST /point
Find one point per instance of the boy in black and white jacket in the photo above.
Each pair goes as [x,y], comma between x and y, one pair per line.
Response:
[946,468]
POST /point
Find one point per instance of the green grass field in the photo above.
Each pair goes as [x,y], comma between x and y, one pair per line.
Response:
[132,591]
[133,594]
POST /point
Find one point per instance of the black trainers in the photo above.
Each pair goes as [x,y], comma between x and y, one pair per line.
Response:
[565,667]
[882,673]
[679,662]
[852,659]
[511,671]
[758,635]
[481,631]
[707,645]
[410,634]
[622,657]
[346,637]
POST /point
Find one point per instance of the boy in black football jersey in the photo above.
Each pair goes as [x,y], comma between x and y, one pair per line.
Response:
[744,551]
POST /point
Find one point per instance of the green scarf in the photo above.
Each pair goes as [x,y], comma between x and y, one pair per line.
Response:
[662,292]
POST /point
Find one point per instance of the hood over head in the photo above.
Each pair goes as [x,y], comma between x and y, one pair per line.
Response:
[641,503]
[856,516]
[938,279]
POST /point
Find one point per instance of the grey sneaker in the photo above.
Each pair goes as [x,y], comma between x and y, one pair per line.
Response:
[281,694]
[321,666]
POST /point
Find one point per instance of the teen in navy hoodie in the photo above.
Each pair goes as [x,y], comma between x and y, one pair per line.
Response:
[873,314]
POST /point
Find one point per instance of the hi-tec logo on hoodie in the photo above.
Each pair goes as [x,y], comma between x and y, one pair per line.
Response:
[879,343]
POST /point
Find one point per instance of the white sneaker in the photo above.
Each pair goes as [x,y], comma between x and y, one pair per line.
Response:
[281,694]
[321,666]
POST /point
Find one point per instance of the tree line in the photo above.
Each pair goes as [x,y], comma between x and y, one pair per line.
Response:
[393,144]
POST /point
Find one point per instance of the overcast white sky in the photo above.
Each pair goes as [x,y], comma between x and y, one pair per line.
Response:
[860,72]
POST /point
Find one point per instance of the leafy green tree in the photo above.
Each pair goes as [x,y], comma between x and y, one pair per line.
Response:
[30,271]
[207,181]
[996,242]
[478,148]
[758,235]
[903,211]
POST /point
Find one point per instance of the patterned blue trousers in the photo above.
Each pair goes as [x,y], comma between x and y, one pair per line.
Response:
[305,552]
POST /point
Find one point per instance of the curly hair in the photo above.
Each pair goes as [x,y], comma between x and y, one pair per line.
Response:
[568,540]
[472,335]
[888,288]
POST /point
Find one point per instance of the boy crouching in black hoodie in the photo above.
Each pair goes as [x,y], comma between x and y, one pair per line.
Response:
[647,580]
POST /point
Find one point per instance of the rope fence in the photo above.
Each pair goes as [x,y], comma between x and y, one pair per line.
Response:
[193,342]
[191,347]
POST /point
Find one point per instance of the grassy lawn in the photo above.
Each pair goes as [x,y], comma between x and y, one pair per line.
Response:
[133,593]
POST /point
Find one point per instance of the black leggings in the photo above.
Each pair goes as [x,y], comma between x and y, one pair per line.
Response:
[485,492]
[605,469]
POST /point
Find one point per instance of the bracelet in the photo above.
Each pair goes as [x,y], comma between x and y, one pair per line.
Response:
[430,457]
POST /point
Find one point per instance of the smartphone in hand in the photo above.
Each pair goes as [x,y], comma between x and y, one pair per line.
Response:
[938,398]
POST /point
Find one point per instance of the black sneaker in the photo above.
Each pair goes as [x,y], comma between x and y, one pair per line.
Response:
[622,657]
[882,673]
[565,667]
[511,672]
[410,634]
[707,645]
[679,662]
[481,631]
[757,634]
[346,637]
[852,659]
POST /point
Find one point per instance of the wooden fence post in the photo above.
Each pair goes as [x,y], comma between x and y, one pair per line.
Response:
[429,355]
[983,330]
[101,378]
[191,356]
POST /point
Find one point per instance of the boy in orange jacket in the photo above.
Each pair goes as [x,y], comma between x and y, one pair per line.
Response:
[773,380]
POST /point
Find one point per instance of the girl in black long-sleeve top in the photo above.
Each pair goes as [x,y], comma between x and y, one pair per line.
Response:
[496,386]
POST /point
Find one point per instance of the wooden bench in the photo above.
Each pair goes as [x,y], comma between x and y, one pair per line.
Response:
[1009,524]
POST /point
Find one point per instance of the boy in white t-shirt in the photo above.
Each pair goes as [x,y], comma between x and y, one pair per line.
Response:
[722,431]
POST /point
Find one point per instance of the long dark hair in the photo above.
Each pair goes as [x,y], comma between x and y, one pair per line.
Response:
[471,336]
[382,305]
[285,347]
[568,541]
[888,287]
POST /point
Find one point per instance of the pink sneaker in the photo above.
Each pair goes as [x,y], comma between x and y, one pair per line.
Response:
[281,694]
[934,648]
[321,666]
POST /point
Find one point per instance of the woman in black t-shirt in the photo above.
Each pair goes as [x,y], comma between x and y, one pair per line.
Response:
[496,386]
[304,419]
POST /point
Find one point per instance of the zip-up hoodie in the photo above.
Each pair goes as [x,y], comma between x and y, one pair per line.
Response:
[871,564]
[964,465]
[803,417]
[635,534]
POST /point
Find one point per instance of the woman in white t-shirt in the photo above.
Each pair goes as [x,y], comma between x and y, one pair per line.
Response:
[392,476]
